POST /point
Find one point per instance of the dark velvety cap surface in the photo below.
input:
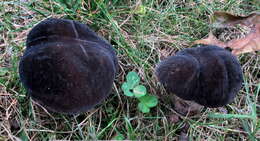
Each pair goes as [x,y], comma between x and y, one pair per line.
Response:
[208,75]
[66,66]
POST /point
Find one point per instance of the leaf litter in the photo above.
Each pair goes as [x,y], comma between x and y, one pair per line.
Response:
[249,43]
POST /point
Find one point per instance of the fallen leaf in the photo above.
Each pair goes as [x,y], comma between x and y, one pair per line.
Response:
[210,40]
[224,19]
[185,107]
[249,43]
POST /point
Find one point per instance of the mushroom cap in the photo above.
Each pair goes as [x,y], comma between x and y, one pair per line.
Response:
[208,75]
[67,67]
[179,71]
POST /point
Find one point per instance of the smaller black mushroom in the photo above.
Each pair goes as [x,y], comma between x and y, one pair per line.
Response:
[208,75]
[67,67]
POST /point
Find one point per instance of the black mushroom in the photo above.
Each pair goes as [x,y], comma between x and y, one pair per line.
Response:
[209,75]
[67,67]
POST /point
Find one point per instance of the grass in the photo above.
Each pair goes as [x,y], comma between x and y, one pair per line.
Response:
[141,32]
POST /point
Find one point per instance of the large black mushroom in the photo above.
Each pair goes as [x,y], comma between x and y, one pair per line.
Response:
[67,67]
[208,75]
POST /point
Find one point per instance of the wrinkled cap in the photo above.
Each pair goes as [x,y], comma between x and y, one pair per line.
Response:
[67,67]
[208,75]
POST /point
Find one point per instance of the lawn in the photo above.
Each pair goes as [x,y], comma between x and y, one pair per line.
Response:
[142,33]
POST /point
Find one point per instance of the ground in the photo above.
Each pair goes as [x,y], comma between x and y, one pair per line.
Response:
[142,32]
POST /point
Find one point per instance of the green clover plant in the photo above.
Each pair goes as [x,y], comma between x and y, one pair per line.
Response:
[132,88]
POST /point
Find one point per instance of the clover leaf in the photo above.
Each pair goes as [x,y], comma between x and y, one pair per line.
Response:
[149,100]
[132,88]
[139,91]
[126,89]
[143,108]
[132,79]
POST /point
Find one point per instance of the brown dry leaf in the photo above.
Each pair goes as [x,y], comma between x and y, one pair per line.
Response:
[210,40]
[250,43]
[185,107]
[224,19]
